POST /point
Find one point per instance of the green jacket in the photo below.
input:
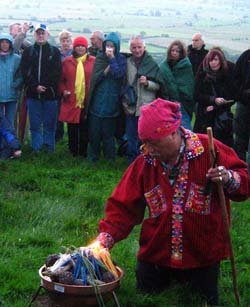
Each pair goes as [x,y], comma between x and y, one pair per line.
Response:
[150,69]
[180,83]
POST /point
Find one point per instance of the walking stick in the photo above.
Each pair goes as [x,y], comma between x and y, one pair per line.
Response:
[224,215]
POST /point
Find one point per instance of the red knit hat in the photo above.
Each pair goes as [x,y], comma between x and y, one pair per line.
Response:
[80,41]
[158,119]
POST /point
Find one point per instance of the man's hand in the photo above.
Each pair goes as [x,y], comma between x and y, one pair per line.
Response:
[219,101]
[106,70]
[66,93]
[92,248]
[41,89]
[218,174]
[210,108]
[143,81]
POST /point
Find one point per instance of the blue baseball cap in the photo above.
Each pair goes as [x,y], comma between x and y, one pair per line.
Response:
[41,26]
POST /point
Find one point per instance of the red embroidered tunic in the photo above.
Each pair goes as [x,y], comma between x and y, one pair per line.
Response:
[184,228]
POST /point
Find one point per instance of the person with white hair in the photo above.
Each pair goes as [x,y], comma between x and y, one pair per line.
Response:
[144,82]
[197,51]
[96,39]
[66,43]
[66,47]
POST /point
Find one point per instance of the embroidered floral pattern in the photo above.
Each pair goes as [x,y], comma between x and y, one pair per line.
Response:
[156,201]
[177,214]
[193,149]
[197,201]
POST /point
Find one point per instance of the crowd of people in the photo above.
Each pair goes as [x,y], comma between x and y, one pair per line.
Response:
[98,90]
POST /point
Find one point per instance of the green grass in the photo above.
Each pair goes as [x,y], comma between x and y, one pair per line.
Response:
[50,201]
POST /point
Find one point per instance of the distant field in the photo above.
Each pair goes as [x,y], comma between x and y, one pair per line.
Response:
[223,24]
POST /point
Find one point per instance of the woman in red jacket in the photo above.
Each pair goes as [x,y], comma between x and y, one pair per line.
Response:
[74,87]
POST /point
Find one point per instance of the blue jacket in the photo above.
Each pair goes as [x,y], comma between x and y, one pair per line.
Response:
[105,89]
[8,133]
[10,75]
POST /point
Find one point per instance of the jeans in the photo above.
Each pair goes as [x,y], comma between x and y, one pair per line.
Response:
[9,110]
[102,131]
[43,118]
[133,148]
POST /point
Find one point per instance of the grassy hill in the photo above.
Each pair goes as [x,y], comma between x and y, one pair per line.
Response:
[50,201]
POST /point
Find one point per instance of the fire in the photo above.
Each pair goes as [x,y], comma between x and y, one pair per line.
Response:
[101,253]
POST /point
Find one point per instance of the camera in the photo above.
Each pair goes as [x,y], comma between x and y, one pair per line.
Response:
[31,27]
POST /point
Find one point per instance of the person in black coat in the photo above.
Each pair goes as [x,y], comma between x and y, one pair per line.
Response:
[41,71]
[215,92]
[197,51]
[242,117]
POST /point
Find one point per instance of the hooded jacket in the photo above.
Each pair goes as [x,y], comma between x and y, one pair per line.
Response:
[10,76]
[105,89]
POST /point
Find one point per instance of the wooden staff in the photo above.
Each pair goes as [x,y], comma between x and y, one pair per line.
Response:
[224,215]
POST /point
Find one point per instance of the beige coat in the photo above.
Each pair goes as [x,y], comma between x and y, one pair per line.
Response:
[144,94]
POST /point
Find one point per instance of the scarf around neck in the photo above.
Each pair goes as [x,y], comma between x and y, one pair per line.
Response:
[80,85]
[2,53]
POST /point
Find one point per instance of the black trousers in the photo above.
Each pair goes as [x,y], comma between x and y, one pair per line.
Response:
[151,278]
[78,138]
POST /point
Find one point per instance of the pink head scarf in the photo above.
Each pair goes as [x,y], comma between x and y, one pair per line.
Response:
[158,119]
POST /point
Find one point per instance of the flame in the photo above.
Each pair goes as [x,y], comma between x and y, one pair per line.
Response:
[101,253]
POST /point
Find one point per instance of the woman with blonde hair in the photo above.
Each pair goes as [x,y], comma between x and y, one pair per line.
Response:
[65,39]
